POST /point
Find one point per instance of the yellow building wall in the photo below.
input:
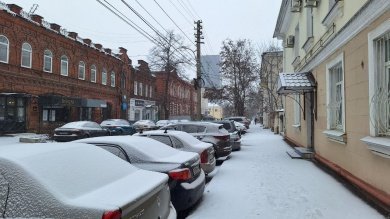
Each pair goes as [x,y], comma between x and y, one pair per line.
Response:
[354,156]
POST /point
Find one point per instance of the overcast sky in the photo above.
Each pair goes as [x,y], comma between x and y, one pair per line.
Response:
[222,19]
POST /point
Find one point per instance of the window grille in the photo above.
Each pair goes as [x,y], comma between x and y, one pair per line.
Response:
[336,97]
[380,101]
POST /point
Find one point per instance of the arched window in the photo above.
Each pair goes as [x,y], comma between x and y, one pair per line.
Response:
[26,55]
[104,77]
[93,73]
[4,49]
[112,79]
[47,61]
[81,70]
[64,65]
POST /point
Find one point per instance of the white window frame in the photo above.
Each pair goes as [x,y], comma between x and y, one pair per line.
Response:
[140,89]
[2,44]
[64,63]
[112,79]
[146,90]
[339,60]
[297,110]
[81,72]
[379,32]
[104,77]
[93,73]
[26,52]
[378,145]
[48,59]
[135,88]
[150,91]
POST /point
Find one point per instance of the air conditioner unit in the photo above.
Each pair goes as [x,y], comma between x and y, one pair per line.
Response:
[290,41]
[295,5]
[311,3]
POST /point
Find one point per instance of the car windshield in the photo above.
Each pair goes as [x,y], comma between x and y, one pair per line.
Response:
[151,148]
[187,138]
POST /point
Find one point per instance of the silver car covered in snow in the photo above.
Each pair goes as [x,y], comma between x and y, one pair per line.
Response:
[74,180]
[185,142]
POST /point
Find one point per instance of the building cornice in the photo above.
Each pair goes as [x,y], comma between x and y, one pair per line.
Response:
[283,20]
[362,19]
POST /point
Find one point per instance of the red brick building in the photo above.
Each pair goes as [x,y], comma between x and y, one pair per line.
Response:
[143,104]
[180,98]
[49,76]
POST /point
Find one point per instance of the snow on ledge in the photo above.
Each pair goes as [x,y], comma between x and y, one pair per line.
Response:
[336,136]
[378,145]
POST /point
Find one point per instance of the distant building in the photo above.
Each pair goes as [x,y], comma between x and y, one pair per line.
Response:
[215,111]
[179,101]
[210,71]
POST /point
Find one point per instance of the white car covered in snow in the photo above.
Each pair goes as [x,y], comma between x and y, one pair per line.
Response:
[74,180]
[240,127]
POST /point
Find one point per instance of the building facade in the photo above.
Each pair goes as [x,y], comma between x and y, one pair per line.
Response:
[177,97]
[215,111]
[271,65]
[49,76]
[336,73]
[142,105]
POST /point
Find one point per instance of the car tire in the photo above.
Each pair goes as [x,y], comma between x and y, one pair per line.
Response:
[86,136]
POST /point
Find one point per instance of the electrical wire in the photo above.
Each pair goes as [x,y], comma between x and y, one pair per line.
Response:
[173,21]
[185,18]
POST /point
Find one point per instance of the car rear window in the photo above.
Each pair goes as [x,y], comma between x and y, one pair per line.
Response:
[227,126]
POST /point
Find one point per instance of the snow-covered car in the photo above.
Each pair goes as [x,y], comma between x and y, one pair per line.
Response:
[79,129]
[185,142]
[240,119]
[241,127]
[235,135]
[118,126]
[186,178]
[144,125]
[74,180]
[161,123]
[207,132]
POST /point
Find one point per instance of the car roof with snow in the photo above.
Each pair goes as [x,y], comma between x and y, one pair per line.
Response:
[148,149]
[184,136]
[71,173]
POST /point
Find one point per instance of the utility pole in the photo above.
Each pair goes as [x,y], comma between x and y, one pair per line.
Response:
[198,80]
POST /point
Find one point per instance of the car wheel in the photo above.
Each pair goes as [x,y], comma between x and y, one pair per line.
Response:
[120,132]
[85,136]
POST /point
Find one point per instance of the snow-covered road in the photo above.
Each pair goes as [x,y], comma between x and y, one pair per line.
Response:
[262,181]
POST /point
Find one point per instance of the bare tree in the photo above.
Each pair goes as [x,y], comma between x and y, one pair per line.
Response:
[239,72]
[170,56]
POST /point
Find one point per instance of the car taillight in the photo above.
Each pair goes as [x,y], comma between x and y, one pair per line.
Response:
[223,137]
[180,174]
[117,214]
[204,156]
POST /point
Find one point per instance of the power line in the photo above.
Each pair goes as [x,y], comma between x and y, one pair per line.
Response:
[189,3]
[151,15]
[129,22]
[186,8]
[173,22]
[180,12]
[153,28]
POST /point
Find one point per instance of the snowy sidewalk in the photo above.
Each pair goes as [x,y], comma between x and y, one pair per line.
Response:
[262,181]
